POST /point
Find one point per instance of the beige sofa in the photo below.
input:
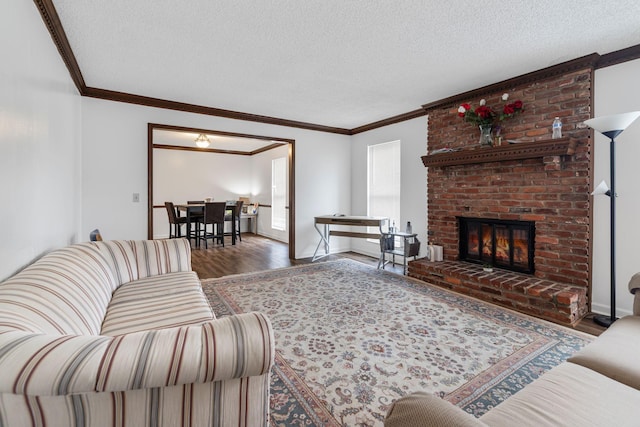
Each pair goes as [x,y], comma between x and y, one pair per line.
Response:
[598,386]
[120,333]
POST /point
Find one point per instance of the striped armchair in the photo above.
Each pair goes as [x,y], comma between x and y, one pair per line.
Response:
[120,333]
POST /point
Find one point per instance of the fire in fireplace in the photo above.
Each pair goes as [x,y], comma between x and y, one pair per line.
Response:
[505,244]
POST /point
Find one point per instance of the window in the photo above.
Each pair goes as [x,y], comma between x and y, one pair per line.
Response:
[383,186]
[279,193]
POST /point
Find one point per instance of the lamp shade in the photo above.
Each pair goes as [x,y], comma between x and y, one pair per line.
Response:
[611,126]
[202,141]
[602,188]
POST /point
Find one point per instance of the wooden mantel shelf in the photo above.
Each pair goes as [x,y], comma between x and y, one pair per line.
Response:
[524,150]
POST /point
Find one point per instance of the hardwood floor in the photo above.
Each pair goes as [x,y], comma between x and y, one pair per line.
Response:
[254,253]
[589,326]
[257,253]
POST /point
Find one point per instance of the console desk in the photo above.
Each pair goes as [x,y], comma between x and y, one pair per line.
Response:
[348,220]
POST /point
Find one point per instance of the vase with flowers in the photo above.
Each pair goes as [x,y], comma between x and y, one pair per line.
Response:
[485,117]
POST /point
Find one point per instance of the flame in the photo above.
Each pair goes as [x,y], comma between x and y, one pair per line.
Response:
[487,242]
[511,243]
[520,247]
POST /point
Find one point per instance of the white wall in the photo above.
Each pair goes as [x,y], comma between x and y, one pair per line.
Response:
[413,198]
[115,145]
[617,91]
[39,141]
[180,176]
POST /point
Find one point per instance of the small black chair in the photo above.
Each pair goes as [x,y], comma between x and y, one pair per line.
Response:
[175,221]
[235,216]
[195,215]
[214,214]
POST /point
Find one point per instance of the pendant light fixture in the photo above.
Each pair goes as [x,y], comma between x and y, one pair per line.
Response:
[202,141]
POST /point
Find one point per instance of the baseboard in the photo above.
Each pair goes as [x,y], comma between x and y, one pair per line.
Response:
[606,310]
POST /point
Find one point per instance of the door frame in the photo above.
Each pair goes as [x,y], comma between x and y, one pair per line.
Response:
[291,163]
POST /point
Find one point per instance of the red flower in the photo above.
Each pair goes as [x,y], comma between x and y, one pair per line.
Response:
[485,115]
[465,107]
[484,112]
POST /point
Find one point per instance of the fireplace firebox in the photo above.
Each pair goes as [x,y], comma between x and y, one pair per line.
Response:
[507,244]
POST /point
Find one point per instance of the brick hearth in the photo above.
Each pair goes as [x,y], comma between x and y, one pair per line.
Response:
[551,190]
[553,301]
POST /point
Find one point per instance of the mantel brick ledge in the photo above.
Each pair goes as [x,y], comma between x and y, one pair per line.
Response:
[525,150]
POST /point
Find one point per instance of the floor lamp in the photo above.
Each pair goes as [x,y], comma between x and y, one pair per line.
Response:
[611,127]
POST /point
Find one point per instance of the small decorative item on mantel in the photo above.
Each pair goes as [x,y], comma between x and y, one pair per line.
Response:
[497,138]
[485,117]
[487,268]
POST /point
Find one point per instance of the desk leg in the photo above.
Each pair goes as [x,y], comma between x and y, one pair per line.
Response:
[404,265]
[327,245]
[324,238]
[381,261]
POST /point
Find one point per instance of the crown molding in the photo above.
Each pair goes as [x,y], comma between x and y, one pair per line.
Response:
[391,120]
[587,61]
[619,56]
[129,98]
[52,21]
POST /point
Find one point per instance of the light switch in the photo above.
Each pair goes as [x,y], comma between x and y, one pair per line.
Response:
[136,197]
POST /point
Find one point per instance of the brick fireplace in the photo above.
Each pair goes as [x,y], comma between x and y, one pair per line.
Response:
[543,181]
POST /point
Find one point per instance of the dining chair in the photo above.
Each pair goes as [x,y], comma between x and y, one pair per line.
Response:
[195,217]
[175,221]
[235,216]
[196,212]
[214,214]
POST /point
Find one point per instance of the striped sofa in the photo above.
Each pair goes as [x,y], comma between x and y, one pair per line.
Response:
[119,333]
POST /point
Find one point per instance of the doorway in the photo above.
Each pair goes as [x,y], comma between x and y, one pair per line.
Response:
[236,149]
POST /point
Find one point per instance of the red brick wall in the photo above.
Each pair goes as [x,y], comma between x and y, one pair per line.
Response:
[552,191]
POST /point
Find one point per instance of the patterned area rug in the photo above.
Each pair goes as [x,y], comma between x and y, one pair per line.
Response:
[350,339]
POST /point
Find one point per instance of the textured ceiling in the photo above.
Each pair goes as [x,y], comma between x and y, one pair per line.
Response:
[339,63]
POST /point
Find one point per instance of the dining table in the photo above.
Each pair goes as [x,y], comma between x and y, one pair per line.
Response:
[192,209]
